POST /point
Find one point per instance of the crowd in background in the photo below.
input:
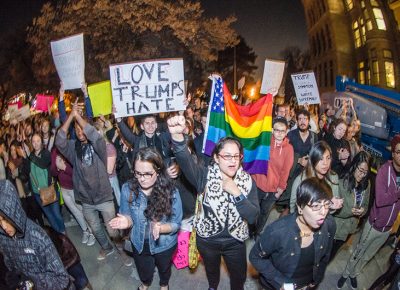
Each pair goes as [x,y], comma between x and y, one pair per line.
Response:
[144,174]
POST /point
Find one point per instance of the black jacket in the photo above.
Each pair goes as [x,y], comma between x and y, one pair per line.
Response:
[276,253]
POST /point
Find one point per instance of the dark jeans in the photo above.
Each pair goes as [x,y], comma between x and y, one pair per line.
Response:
[53,214]
[145,263]
[32,209]
[77,271]
[234,254]
[267,201]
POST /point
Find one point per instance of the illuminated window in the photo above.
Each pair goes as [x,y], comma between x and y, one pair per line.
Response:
[380,22]
[349,4]
[387,53]
[361,73]
[368,76]
[369,25]
[357,36]
[362,26]
[375,72]
[362,4]
[389,72]
[374,3]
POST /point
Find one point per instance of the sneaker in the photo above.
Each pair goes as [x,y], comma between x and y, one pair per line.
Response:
[91,240]
[341,282]
[85,237]
[126,259]
[353,283]
[104,253]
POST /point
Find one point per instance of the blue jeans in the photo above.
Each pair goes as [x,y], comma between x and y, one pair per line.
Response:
[91,214]
[52,213]
[115,186]
[77,271]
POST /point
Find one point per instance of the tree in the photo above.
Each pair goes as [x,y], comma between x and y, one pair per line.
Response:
[245,59]
[296,61]
[118,31]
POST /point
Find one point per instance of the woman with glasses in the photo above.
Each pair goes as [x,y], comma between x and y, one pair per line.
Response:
[295,249]
[228,199]
[319,165]
[151,207]
[355,190]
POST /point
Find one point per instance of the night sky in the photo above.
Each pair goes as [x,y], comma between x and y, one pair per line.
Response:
[267,25]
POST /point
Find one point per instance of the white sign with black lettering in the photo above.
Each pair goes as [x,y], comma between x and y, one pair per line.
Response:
[69,59]
[148,87]
[306,88]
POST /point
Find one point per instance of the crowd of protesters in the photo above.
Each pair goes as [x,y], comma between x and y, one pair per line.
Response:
[143,175]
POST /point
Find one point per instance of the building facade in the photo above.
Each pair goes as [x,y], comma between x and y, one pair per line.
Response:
[356,38]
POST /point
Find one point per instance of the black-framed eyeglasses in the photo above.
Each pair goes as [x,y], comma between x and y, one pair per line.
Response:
[146,175]
[318,206]
[228,157]
[362,171]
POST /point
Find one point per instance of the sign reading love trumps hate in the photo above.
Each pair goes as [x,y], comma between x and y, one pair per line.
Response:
[148,87]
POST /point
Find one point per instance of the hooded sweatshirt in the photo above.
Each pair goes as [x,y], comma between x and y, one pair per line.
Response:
[30,252]
[387,199]
[279,165]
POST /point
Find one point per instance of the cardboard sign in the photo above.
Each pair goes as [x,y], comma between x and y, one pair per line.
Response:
[12,110]
[43,102]
[69,59]
[148,87]
[306,88]
[100,98]
[23,113]
[272,77]
[181,256]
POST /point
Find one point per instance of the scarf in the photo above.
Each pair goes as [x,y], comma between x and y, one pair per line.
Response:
[218,206]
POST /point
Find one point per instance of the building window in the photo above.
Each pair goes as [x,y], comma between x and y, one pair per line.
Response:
[387,53]
[380,22]
[362,4]
[374,3]
[357,35]
[349,4]
[361,72]
[362,28]
[389,72]
[375,72]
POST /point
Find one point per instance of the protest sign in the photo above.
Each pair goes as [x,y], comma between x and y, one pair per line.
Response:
[272,77]
[43,102]
[23,113]
[12,110]
[149,87]
[306,88]
[181,256]
[69,59]
[100,98]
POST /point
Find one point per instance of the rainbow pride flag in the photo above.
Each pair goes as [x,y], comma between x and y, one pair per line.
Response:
[251,124]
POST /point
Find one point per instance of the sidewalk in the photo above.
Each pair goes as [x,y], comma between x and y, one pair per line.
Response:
[112,274]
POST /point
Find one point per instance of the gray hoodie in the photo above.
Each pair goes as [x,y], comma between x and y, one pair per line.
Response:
[30,252]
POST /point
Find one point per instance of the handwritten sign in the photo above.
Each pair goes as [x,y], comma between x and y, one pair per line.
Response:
[306,88]
[181,257]
[148,87]
[43,102]
[23,113]
[100,98]
[272,77]
[69,59]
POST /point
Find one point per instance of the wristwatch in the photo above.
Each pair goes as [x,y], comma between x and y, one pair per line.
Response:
[239,198]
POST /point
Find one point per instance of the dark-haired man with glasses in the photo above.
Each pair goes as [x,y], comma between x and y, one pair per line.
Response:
[271,186]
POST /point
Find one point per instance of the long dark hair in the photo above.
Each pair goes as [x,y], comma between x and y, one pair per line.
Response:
[159,203]
[316,154]
[349,179]
[221,144]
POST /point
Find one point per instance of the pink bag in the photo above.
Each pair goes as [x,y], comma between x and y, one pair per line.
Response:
[181,256]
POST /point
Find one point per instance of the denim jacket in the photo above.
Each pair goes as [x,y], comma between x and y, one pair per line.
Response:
[136,211]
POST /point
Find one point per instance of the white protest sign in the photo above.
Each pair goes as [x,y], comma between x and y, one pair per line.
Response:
[272,77]
[23,113]
[306,88]
[69,59]
[148,87]
[12,110]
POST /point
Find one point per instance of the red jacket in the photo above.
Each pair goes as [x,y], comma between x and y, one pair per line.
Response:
[279,165]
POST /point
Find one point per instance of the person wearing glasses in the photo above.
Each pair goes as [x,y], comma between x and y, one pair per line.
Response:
[355,190]
[295,249]
[318,165]
[271,186]
[229,203]
[383,214]
[151,207]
